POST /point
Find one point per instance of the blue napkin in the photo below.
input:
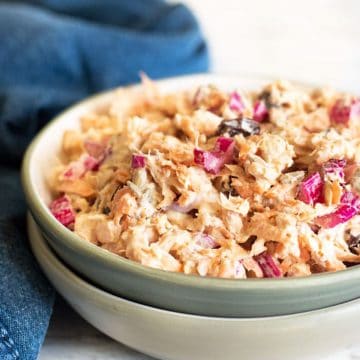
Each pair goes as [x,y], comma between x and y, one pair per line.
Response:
[53,53]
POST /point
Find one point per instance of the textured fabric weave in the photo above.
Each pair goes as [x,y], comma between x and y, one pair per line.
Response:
[52,54]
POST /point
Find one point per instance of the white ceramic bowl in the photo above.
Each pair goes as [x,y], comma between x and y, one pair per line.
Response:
[176,336]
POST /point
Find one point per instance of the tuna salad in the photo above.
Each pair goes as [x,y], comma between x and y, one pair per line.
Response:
[238,184]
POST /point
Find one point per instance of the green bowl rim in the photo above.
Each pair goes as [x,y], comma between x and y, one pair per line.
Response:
[43,215]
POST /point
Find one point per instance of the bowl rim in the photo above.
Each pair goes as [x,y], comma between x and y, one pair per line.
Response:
[71,240]
[84,286]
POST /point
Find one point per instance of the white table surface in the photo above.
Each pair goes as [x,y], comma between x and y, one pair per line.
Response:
[316,41]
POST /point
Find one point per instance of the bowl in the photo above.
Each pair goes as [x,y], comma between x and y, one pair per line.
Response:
[167,290]
[177,336]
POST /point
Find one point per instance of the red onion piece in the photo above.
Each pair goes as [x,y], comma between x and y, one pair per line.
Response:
[342,214]
[94,148]
[74,171]
[98,150]
[349,207]
[210,161]
[224,144]
[236,103]
[310,190]
[268,265]
[199,156]
[62,209]
[78,168]
[350,198]
[138,161]
[341,113]
[260,111]
[90,163]
[334,170]
[214,161]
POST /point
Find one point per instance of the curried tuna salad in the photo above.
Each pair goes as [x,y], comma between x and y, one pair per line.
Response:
[238,184]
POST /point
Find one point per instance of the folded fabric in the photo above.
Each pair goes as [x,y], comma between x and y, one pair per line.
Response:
[53,53]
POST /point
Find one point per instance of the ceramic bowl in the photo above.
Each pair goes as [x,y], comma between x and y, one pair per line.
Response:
[173,291]
[177,336]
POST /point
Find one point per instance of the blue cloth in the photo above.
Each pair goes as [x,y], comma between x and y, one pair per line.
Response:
[53,53]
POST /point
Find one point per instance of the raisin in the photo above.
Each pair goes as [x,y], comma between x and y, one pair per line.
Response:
[315,228]
[250,127]
[243,126]
[249,242]
[194,213]
[354,243]
[106,210]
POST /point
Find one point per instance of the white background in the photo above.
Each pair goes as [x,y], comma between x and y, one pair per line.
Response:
[313,40]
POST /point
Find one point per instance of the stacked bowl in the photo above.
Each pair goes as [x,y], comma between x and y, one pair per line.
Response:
[176,316]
